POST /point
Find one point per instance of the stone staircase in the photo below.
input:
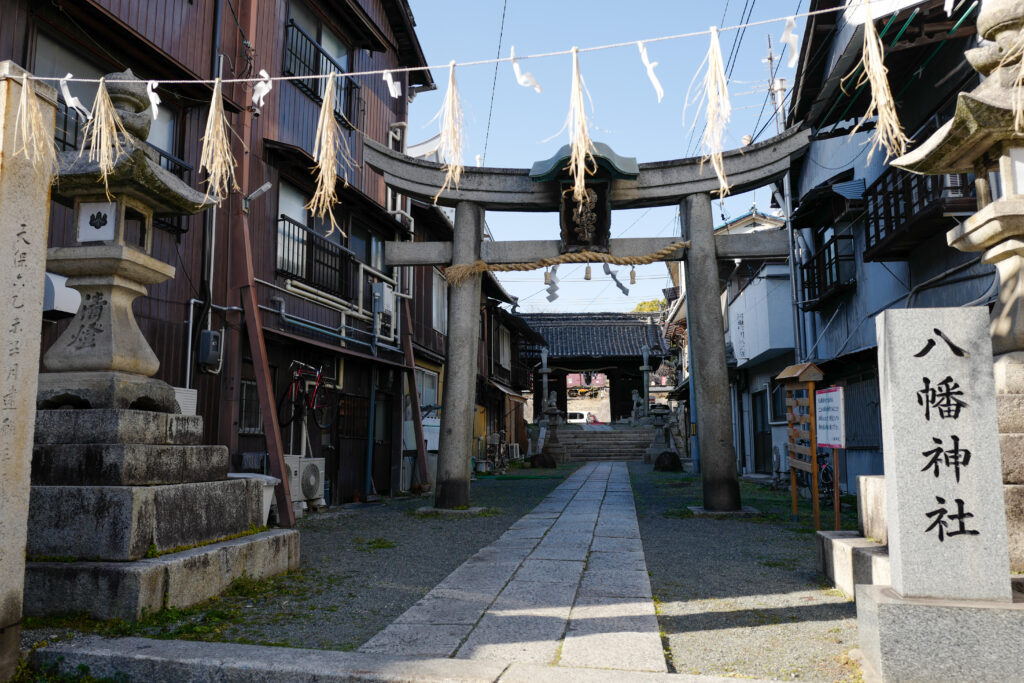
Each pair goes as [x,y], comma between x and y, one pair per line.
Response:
[613,444]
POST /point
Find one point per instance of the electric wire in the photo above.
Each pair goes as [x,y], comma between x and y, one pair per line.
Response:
[494,83]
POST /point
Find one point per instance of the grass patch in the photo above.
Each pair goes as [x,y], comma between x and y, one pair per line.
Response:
[27,672]
[678,513]
[379,543]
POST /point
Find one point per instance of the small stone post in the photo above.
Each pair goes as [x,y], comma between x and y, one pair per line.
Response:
[544,372]
[707,343]
[646,391]
[24,222]
[455,445]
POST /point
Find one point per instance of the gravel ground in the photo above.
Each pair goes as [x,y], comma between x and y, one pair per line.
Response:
[741,598]
[361,568]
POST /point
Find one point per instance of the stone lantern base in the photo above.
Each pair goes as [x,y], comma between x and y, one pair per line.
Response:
[130,513]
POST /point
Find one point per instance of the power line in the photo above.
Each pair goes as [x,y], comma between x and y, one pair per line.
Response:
[494,82]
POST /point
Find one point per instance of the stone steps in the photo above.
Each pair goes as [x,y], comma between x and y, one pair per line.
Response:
[628,445]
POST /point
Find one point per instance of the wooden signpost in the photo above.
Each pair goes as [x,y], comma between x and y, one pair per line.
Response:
[831,433]
[799,381]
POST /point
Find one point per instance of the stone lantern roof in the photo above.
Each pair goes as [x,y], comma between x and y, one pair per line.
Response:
[984,117]
[137,171]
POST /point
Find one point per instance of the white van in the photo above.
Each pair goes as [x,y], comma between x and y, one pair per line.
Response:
[576,418]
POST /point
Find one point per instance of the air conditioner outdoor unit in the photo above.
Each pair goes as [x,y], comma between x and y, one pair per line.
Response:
[292,464]
[311,480]
[384,296]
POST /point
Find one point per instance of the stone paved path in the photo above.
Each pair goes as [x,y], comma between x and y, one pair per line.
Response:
[566,585]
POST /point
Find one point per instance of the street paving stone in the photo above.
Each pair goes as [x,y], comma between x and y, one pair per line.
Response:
[566,585]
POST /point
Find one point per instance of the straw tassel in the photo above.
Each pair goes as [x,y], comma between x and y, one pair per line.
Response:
[330,149]
[581,161]
[102,134]
[1015,55]
[450,146]
[216,158]
[32,140]
[717,112]
[889,133]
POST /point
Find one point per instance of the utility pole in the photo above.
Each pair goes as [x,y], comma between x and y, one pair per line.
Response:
[776,88]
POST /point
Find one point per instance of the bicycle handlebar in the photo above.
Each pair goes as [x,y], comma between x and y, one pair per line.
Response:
[303,366]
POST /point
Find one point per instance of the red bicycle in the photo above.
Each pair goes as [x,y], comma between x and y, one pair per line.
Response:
[299,397]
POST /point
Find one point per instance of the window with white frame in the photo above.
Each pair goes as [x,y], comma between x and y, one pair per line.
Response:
[504,348]
[440,302]
[426,387]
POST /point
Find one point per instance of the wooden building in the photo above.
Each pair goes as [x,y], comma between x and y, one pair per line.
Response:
[326,298]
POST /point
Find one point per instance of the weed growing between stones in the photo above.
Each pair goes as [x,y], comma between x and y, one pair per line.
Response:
[49,673]
[379,543]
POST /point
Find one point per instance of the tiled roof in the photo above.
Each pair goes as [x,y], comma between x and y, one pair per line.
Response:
[597,335]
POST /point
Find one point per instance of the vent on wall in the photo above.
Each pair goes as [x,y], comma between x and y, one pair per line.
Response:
[187,400]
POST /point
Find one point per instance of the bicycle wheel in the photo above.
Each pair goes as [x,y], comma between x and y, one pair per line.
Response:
[325,411]
[825,485]
[287,409]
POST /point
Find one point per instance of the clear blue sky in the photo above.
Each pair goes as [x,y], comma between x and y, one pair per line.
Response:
[626,114]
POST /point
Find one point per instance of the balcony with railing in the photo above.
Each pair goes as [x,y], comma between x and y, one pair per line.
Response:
[520,379]
[829,272]
[67,135]
[305,57]
[905,208]
[308,257]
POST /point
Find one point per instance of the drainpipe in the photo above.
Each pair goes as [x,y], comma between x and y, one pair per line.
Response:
[795,274]
[371,432]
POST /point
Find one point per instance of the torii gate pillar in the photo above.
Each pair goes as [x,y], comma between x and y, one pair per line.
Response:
[706,330]
[456,440]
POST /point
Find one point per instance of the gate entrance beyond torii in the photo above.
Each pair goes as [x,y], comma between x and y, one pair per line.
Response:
[686,182]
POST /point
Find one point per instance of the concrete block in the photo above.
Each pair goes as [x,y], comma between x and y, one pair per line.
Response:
[117,426]
[196,575]
[1013,494]
[1010,413]
[514,638]
[1011,447]
[415,640]
[613,633]
[871,511]
[848,560]
[176,661]
[103,389]
[103,590]
[615,584]
[925,639]
[120,523]
[550,571]
[125,590]
[126,464]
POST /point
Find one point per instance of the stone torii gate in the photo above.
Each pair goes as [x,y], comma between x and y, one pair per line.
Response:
[686,182]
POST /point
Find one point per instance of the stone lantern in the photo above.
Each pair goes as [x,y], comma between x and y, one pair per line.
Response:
[102,360]
[981,139]
[140,512]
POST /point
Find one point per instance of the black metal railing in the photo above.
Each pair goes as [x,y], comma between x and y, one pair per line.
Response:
[830,271]
[900,202]
[304,255]
[520,375]
[303,56]
[68,130]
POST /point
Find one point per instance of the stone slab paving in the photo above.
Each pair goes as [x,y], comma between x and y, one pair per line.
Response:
[566,585]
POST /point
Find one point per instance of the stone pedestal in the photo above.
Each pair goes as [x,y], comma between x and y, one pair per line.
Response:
[554,448]
[24,222]
[130,512]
